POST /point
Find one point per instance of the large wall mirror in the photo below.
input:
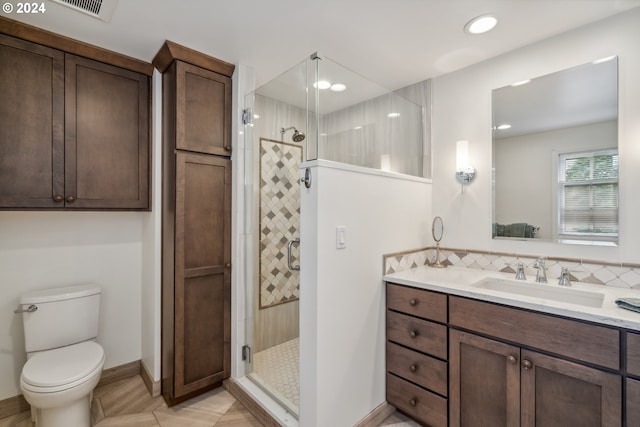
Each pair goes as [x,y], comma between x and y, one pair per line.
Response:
[555,156]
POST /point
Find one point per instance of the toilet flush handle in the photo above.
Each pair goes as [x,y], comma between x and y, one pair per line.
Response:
[29,309]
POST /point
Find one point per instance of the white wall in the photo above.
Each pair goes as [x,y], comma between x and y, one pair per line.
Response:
[462,110]
[342,303]
[51,249]
[151,286]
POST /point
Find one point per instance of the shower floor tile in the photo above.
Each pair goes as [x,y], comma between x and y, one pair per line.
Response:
[278,370]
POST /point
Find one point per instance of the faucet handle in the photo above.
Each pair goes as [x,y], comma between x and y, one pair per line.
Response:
[563,280]
[520,272]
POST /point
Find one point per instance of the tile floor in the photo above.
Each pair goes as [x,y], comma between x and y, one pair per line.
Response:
[277,369]
[127,403]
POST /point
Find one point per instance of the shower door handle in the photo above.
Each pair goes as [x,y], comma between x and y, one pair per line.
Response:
[289,261]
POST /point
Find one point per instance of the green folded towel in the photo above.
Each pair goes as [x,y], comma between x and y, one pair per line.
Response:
[632,304]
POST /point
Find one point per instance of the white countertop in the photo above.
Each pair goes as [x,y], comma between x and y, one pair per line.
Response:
[460,281]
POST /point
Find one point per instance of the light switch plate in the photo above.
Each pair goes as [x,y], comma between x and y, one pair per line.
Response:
[341,237]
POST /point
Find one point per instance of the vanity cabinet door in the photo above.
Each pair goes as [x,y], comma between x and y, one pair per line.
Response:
[557,392]
[633,402]
[484,382]
[31,125]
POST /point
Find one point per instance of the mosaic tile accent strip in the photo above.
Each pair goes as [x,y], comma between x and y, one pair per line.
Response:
[279,221]
[278,368]
[587,271]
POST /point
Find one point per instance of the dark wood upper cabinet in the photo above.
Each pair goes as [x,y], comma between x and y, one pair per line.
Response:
[106,136]
[74,131]
[204,100]
[200,89]
[31,124]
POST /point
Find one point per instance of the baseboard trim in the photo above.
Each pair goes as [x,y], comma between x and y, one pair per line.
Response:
[17,404]
[121,372]
[153,386]
[377,416]
[250,403]
[13,406]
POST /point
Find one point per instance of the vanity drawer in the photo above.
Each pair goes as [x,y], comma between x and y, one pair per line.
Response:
[417,302]
[422,405]
[633,354]
[586,342]
[421,335]
[418,368]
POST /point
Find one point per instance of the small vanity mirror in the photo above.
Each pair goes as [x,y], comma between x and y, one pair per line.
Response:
[437,229]
[555,156]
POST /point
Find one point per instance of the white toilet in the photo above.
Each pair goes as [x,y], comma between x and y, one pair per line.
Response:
[64,363]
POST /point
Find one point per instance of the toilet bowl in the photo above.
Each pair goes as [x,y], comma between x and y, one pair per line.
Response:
[58,383]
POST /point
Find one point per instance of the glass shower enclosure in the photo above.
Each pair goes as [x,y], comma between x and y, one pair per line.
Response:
[315,110]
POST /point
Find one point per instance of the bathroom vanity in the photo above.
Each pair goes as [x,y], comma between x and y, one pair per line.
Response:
[462,354]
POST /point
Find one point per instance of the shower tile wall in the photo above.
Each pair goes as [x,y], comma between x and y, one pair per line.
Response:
[279,221]
[279,323]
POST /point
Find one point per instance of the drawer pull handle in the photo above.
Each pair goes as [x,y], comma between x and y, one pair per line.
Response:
[58,198]
[413,402]
[413,334]
[413,302]
[526,365]
[512,359]
[413,368]
[71,199]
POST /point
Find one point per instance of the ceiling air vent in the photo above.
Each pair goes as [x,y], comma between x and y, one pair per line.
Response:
[101,9]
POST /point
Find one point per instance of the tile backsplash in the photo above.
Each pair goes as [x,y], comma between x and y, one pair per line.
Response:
[619,275]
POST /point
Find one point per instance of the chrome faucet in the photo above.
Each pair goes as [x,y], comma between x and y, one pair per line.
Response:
[564,277]
[520,272]
[541,273]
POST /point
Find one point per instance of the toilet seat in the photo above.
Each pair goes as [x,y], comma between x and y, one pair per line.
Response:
[62,368]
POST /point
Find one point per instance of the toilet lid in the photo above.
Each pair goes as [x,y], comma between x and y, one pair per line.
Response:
[63,365]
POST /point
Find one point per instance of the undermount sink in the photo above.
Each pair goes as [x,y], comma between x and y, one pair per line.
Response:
[548,292]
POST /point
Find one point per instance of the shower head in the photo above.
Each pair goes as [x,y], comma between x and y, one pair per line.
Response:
[297,135]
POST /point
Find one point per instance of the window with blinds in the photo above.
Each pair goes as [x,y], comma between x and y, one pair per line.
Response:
[588,194]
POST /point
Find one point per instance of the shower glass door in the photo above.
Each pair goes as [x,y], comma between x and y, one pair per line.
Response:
[275,145]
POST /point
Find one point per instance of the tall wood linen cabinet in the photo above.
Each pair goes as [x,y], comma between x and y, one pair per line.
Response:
[196,221]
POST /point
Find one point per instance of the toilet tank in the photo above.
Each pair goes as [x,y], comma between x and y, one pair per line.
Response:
[64,316]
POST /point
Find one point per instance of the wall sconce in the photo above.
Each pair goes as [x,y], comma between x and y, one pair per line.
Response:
[464,172]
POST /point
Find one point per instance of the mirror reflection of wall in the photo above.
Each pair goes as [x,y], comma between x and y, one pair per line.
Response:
[535,123]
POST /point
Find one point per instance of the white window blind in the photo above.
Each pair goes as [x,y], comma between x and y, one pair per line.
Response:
[588,194]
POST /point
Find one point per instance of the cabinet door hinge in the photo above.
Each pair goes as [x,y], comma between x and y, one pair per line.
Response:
[246,353]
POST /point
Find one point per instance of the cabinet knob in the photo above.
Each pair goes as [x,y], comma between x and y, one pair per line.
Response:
[228,265]
[58,198]
[526,364]
[413,334]
[512,359]
[413,301]
[71,199]
[413,368]
[227,148]
[413,402]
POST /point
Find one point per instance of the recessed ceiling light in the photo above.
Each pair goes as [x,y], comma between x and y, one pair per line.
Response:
[503,126]
[338,87]
[322,84]
[481,24]
[392,115]
[520,83]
